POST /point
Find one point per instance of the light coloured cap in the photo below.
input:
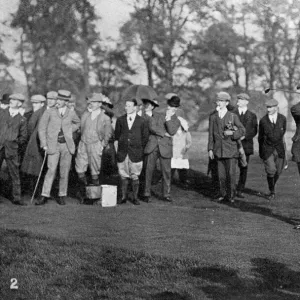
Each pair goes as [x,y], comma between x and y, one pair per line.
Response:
[64,95]
[96,97]
[37,98]
[243,96]
[223,96]
[106,100]
[170,95]
[271,102]
[52,95]
[19,97]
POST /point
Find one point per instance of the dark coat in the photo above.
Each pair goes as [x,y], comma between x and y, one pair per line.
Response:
[133,141]
[13,132]
[158,128]
[34,155]
[249,121]
[295,111]
[224,146]
[270,137]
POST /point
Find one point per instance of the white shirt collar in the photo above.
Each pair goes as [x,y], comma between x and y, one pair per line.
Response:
[62,110]
[132,116]
[95,113]
[222,112]
[13,112]
[242,110]
[273,118]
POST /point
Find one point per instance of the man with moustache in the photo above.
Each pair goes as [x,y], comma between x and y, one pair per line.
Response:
[272,128]
[55,131]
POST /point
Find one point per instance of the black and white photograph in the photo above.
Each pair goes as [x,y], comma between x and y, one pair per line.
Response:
[150,149]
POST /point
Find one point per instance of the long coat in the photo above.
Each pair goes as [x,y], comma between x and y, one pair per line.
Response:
[158,128]
[270,137]
[132,141]
[249,121]
[50,125]
[295,111]
[224,146]
[13,132]
[33,158]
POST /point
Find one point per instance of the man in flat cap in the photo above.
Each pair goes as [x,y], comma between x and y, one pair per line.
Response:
[225,129]
[33,158]
[132,135]
[55,131]
[96,131]
[4,102]
[249,120]
[51,99]
[272,128]
[13,134]
[160,146]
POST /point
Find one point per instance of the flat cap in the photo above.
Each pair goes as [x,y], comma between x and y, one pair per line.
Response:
[64,95]
[37,98]
[223,96]
[96,97]
[170,95]
[271,102]
[19,97]
[52,95]
[243,96]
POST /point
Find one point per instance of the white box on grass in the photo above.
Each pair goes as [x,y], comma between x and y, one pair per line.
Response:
[108,195]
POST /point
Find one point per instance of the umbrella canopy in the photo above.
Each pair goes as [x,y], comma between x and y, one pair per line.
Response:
[139,92]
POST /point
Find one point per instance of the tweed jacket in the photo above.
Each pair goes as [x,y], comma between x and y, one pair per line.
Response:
[158,128]
[132,141]
[33,158]
[13,132]
[104,127]
[270,137]
[249,121]
[50,125]
[224,146]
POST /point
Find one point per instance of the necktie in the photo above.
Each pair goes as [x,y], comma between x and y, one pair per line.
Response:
[130,119]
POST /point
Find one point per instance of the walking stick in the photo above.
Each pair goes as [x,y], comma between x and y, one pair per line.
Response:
[36,185]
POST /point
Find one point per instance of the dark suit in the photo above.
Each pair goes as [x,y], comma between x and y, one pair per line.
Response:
[160,146]
[13,134]
[249,120]
[295,111]
[225,150]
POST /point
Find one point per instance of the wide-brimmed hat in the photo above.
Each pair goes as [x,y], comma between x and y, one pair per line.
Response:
[174,101]
[243,96]
[5,99]
[63,95]
[223,96]
[153,102]
[271,102]
[17,96]
[52,95]
[37,98]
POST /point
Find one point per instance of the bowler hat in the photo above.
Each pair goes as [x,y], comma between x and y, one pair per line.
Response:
[64,95]
[174,101]
[223,96]
[243,96]
[170,95]
[52,95]
[271,102]
[5,99]
[19,97]
[153,102]
[37,98]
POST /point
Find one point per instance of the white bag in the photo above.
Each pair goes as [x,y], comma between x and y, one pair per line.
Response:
[108,195]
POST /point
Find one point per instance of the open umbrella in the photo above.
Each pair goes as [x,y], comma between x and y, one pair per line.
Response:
[139,92]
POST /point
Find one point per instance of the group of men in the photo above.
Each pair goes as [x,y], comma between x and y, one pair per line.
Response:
[228,126]
[48,134]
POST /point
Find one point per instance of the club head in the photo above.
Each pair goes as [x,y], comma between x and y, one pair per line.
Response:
[267,90]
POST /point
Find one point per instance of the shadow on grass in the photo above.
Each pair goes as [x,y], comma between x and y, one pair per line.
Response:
[205,186]
[271,280]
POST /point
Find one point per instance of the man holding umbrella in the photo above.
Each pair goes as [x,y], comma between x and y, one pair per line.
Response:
[162,128]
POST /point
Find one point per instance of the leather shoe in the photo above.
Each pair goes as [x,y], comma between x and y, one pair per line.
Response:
[168,199]
[136,202]
[61,200]
[239,194]
[271,197]
[147,199]
[123,201]
[41,201]
[19,202]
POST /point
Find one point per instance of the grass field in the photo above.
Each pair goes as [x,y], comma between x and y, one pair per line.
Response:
[191,249]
